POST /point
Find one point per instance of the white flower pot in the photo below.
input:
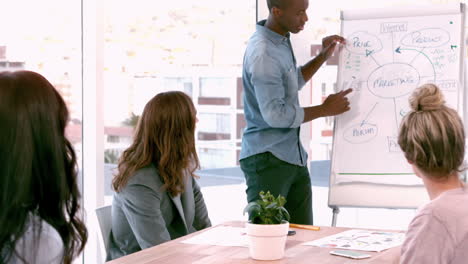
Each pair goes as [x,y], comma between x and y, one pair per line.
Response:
[267,242]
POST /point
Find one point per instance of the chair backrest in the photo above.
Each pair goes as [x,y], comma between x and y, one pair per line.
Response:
[104,215]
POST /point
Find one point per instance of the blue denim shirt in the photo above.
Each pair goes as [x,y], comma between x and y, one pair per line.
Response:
[271,106]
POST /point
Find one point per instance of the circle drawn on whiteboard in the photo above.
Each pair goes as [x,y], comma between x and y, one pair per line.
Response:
[360,133]
[426,38]
[393,80]
[363,43]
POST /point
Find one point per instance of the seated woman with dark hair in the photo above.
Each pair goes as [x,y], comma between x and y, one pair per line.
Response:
[433,141]
[157,198]
[39,197]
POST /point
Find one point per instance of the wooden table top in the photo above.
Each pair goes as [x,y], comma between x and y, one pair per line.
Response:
[174,252]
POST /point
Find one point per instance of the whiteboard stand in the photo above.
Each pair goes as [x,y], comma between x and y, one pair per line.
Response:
[336,211]
[389,52]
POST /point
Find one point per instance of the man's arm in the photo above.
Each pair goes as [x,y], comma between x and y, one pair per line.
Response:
[335,104]
[328,46]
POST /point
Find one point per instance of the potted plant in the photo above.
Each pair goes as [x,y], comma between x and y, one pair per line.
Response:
[268,226]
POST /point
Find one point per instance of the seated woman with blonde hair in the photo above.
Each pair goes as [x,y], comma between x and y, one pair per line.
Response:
[157,198]
[433,141]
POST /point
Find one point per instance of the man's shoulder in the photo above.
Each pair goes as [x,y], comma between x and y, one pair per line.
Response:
[259,45]
[261,54]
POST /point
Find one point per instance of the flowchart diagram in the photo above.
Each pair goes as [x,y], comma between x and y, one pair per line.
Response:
[383,61]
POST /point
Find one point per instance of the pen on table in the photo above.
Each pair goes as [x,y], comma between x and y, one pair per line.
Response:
[308,227]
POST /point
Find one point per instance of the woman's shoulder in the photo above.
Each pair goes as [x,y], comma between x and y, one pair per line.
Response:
[146,176]
[451,204]
[40,243]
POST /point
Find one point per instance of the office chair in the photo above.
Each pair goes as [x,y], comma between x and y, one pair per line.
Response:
[104,215]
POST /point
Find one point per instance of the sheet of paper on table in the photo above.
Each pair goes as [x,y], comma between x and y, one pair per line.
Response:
[365,240]
[221,236]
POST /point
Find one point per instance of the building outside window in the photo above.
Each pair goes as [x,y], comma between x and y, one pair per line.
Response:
[213,86]
[214,123]
[181,45]
[147,48]
[179,84]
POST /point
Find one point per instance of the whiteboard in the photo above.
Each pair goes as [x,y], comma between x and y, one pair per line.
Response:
[389,53]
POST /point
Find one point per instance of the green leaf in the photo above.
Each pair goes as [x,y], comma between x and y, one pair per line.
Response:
[285,214]
[254,210]
[267,210]
[251,206]
[273,205]
[281,200]
[278,219]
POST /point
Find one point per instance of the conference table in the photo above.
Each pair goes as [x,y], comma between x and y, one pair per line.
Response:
[175,252]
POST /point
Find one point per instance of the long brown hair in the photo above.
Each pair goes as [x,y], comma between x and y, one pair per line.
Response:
[38,172]
[165,136]
[432,134]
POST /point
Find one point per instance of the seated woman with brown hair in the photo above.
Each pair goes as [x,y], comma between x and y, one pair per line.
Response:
[157,198]
[39,196]
[433,141]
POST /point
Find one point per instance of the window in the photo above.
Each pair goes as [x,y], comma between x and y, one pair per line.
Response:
[147,48]
[216,87]
[179,84]
[329,121]
[324,90]
[50,45]
[52,49]
[182,45]
[215,158]
[113,139]
[214,123]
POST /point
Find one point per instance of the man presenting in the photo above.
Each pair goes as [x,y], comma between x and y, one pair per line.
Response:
[272,156]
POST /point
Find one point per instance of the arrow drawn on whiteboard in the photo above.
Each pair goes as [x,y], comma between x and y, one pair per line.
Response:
[370,55]
[421,51]
[399,49]
[365,119]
